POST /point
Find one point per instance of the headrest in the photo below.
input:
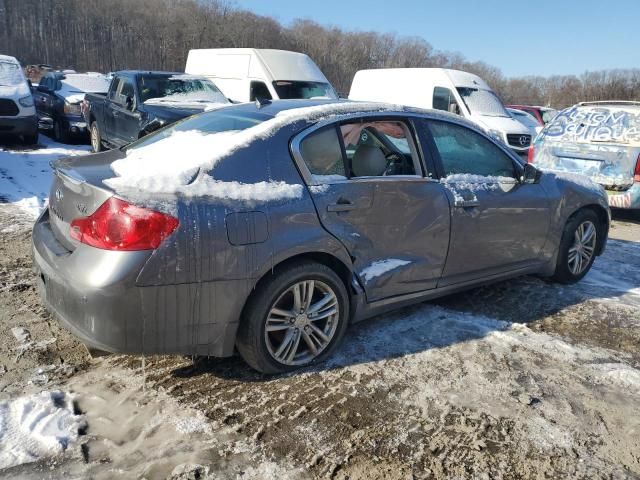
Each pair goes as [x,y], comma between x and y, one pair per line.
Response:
[368,161]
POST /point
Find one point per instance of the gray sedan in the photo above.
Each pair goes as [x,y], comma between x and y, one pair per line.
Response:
[268,228]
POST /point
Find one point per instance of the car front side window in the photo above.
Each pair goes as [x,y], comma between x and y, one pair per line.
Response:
[463,151]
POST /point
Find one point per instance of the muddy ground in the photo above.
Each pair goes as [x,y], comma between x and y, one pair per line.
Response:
[523,379]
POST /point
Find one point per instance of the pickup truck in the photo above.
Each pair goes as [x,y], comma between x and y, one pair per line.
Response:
[140,102]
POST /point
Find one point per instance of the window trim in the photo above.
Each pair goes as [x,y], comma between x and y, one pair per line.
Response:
[407,119]
[518,164]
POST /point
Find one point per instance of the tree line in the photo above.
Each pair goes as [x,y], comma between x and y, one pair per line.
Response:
[109,35]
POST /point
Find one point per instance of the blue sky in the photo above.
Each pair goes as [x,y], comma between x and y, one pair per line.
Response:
[541,37]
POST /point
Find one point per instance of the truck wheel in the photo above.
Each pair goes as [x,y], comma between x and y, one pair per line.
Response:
[96,139]
[578,247]
[31,139]
[296,318]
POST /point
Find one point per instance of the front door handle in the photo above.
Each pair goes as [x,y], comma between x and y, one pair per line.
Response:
[466,203]
[341,207]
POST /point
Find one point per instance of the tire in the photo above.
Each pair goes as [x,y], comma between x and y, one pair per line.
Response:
[260,348]
[59,134]
[567,270]
[96,139]
[30,139]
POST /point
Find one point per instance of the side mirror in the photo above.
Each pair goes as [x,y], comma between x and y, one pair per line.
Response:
[129,102]
[454,108]
[530,174]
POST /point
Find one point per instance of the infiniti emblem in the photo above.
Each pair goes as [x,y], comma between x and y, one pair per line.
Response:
[59,195]
[524,140]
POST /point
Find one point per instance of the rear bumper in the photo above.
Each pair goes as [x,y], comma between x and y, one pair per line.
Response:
[628,199]
[19,125]
[93,293]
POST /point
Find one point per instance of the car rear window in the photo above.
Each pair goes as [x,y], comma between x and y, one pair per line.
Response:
[208,122]
[84,83]
[596,123]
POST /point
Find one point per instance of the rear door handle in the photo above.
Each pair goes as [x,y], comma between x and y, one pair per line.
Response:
[466,203]
[341,207]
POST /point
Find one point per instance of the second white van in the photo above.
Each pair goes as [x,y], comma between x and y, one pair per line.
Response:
[454,91]
[247,74]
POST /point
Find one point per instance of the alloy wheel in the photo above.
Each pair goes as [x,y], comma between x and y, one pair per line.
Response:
[583,248]
[302,322]
[94,139]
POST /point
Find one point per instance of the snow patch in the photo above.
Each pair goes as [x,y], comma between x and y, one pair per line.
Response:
[381,267]
[25,175]
[36,427]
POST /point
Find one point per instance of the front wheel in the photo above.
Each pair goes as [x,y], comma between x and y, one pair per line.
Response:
[578,247]
[295,319]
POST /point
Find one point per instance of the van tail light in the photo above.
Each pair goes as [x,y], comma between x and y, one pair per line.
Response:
[636,172]
[118,225]
[530,154]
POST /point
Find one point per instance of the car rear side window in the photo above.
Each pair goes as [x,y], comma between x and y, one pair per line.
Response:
[372,148]
[322,152]
[464,151]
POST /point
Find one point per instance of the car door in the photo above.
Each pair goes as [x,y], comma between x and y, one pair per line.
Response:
[369,188]
[44,100]
[128,118]
[498,222]
[125,119]
[109,133]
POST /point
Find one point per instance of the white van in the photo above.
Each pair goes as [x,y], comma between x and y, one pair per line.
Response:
[247,74]
[17,112]
[443,89]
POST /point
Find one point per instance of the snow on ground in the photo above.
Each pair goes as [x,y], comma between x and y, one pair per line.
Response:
[36,427]
[25,174]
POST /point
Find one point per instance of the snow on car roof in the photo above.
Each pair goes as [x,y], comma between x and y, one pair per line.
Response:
[152,167]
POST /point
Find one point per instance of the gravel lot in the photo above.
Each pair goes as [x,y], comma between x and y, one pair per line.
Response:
[522,379]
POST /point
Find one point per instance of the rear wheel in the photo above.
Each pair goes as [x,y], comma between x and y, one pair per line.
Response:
[295,319]
[96,139]
[578,247]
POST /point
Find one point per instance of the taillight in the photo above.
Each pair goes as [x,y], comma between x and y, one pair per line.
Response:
[118,225]
[636,172]
[530,154]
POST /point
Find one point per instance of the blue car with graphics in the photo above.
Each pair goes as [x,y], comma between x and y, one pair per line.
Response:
[600,140]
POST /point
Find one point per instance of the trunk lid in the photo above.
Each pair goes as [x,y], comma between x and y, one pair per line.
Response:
[77,191]
[601,142]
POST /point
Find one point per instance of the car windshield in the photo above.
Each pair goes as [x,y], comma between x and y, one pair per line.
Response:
[209,122]
[10,74]
[84,83]
[482,102]
[178,89]
[291,89]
